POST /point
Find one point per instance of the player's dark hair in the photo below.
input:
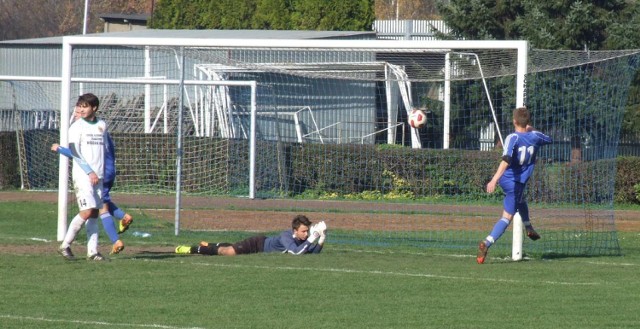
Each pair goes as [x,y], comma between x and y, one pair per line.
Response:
[300,220]
[521,116]
[89,99]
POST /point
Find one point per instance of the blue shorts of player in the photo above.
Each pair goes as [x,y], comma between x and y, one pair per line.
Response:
[252,245]
[106,187]
[514,198]
[106,199]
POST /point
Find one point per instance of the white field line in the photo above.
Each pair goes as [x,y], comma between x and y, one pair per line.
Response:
[613,264]
[387,273]
[92,323]
[40,240]
[473,256]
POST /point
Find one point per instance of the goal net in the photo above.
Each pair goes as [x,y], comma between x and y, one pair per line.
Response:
[319,127]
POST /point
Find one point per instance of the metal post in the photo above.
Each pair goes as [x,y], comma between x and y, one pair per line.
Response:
[179,144]
[63,172]
[252,144]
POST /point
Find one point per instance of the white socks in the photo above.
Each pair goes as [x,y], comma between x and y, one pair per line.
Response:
[92,236]
[72,231]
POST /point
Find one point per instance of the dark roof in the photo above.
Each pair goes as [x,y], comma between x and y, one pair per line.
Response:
[213,34]
[141,18]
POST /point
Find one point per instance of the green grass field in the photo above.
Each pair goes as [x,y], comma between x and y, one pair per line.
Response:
[147,286]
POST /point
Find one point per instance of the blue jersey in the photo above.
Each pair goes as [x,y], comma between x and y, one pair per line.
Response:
[287,243]
[109,160]
[520,151]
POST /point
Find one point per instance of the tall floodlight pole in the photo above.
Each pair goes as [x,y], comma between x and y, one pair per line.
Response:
[86,17]
[84,31]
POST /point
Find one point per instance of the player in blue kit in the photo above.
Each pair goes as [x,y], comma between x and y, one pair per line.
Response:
[300,239]
[111,209]
[518,162]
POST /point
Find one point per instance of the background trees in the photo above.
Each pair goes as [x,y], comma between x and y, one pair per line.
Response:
[331,15]
[557,25]
[406,9]
[549,24]
[24,19]
[553,24]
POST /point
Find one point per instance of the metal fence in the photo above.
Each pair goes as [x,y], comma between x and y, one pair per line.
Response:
[409,29]
[629,146]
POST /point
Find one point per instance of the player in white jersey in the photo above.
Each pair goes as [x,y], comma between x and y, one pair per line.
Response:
[109,209]
[86,143]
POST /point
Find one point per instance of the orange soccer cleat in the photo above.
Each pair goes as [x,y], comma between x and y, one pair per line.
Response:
[482,252]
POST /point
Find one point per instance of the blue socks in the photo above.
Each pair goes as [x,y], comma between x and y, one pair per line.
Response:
[523,210]
[115,211]
[109,227]
[498,229]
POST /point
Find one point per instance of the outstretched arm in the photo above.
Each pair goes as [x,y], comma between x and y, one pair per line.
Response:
[62,150]
[76,157]
[544,139]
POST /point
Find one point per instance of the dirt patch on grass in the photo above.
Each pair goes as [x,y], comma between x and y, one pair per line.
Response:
[217,213]
[207,213]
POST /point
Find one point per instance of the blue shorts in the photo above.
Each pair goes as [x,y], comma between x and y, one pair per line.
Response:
[106,187]
[514,194]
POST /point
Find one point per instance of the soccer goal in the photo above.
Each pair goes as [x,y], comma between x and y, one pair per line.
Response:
[320,125]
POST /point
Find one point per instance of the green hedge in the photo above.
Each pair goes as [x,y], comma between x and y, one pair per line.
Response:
[349,169]
[627,180]
[299,169]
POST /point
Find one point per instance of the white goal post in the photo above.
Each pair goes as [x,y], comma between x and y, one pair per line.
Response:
[390,46]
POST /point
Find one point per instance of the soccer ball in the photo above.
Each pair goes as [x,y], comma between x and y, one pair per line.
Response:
[417,119]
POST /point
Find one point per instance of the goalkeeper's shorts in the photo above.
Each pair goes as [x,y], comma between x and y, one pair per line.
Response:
[252,245]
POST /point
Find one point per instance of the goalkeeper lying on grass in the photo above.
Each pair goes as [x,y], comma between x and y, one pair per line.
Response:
[303,238]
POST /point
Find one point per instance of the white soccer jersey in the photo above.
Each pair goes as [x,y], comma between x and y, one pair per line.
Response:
[86,140]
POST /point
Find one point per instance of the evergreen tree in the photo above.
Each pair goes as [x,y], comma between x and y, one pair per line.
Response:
[272,15]
[552,24]
[332,15]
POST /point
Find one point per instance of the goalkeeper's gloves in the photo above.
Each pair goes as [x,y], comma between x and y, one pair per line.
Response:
[322,227]
[314,234]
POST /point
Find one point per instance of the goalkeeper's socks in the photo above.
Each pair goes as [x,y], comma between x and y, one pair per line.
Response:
[109,227]
[498,230]
[204,250]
